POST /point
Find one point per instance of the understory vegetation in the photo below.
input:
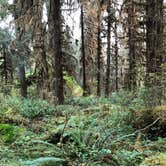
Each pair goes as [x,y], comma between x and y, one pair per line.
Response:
[82,83]
[117,131]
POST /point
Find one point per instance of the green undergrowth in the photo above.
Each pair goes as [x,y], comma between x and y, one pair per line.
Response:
[28,108]
[9,133]
[157,159]
[84,131]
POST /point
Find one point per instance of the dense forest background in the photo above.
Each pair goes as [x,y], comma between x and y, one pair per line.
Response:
[84,81]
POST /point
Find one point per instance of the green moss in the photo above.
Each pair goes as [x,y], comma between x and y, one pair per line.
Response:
[160,112]
[147,116]
[72,87]
[158,159]
[9,133]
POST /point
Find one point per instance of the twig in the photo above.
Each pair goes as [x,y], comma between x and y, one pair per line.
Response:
[132,134]
[150,125]
[137,131]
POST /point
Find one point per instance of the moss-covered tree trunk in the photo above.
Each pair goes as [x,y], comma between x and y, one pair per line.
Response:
[22,8]
[39,32]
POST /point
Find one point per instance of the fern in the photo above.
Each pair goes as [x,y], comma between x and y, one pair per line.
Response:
[44,161]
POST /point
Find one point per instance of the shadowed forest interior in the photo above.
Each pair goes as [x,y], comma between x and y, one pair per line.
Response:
[83,82]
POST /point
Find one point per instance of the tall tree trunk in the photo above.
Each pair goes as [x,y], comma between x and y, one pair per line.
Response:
[55,29]
[154,42]
[131,43]
[91,45]
[99,55]
[21,7]
[107,84]
[116,57]
[39,49]
[154,50]
[83,52]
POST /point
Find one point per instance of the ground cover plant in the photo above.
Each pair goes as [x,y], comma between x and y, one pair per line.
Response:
[82,131]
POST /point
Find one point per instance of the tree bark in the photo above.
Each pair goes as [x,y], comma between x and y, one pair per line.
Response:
[22,78]
[99,55]
[131,43]
[154,51]
[55,30]
[107,84]
[22,6]
[116,57]
[83,52]
[39,49]
[154,42]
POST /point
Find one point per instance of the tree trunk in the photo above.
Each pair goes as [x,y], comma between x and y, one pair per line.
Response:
[116,57]
[55,29]
[39,49]
[22,6]
[154,51]
[99,55]
[83,52]
[107,84]
[154,42]
[22,78]
[5,65]
[131,43]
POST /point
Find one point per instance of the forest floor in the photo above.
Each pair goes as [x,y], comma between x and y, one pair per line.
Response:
[85,131]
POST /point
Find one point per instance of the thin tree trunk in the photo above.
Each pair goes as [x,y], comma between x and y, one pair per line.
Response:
[5,65]
[99,56]
[22,78]
[107,84]
[83,52]
[116,57]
